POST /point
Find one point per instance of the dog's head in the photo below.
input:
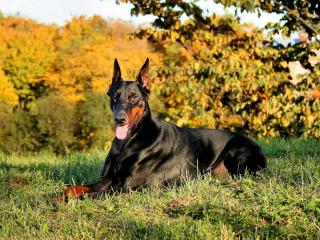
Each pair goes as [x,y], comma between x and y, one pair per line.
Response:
[128,99]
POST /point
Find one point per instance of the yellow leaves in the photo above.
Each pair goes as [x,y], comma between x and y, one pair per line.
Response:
[186,55]
[197,46]
[107,145]
[310,120]
[258,64]
[174,36]
[214,79]
[234,120]
[285,121]
[27,52]
[257,122]
[86,49]
[196,66]
[7,92]
[284,64]
[240,33]
[314,93]
[238,87]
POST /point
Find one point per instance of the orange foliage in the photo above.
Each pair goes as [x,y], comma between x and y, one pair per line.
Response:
[7,93]
[86,49]
[53,81]
[73,59]
[26,52]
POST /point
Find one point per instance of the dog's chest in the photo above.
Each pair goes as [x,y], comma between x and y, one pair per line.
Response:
[150,168]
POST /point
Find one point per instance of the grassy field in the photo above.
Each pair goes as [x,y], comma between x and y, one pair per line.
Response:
[282,203]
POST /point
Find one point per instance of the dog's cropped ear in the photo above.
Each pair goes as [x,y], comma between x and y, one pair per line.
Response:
[116,72]
[143,76]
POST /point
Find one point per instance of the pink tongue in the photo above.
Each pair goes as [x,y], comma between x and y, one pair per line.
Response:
[121,132]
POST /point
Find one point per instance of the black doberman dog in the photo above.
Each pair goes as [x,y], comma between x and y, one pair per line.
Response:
[148,151]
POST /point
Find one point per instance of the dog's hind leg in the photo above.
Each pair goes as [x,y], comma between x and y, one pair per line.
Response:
[243,154]
[220,170]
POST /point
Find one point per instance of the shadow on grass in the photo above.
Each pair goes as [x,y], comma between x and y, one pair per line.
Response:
[139,229]
[236,226]
[246,222]
[80,169]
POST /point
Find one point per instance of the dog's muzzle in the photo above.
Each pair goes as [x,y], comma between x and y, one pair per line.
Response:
[120,117]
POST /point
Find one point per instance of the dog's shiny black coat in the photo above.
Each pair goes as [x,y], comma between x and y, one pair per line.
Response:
[156,152]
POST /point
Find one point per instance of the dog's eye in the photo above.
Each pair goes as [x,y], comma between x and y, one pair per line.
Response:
[133,97]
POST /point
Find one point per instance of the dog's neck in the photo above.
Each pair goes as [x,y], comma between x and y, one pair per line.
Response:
[145,118]
[146,125]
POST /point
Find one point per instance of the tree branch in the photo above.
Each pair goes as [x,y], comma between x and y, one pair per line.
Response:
[297,16]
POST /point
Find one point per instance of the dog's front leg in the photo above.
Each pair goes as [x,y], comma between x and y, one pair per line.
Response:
[93,189]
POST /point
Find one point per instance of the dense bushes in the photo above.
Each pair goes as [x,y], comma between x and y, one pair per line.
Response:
[222,74]
[232,81]
[55,125]
[94,122]
[225,76]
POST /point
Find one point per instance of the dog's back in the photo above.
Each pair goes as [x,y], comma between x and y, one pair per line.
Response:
[202,150]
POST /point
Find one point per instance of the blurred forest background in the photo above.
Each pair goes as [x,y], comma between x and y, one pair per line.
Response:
[207,71]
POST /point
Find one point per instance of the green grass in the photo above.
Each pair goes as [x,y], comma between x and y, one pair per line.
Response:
[282,203]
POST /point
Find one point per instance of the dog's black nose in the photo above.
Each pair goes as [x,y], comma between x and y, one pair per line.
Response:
[120,117]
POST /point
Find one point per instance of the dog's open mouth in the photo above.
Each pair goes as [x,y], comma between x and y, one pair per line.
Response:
[122,131]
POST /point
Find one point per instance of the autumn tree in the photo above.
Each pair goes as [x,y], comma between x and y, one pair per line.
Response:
[86,49]
[26,53]
[53,81]
[8,96]
[297,15]
[222,74]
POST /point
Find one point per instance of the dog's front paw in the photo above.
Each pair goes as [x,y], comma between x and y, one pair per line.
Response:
[76,191]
